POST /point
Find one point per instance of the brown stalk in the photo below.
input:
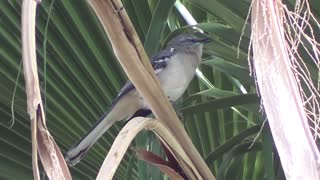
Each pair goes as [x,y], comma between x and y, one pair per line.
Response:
[135,63]
[42,142]
[165,166]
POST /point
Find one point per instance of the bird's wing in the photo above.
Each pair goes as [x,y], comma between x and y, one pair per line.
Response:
[124,90]
[160,61]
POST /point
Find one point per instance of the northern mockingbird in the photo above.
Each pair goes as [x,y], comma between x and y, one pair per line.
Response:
[175,66]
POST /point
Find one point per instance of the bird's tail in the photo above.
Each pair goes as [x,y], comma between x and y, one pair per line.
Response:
[77,152]
[122,108]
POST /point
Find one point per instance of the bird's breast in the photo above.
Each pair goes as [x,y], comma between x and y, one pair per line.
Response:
[176,77]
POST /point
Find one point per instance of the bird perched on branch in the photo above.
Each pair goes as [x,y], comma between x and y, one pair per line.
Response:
[175,66]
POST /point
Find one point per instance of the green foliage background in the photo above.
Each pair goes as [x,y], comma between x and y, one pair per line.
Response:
[80,76]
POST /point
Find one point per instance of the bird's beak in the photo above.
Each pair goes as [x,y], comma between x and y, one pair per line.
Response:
[205,40]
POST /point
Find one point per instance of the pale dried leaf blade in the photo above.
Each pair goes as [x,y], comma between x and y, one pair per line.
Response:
[50,154]
[120,146]
[29,57]
[157,161]
[280,93]
[128,133]
[42,141]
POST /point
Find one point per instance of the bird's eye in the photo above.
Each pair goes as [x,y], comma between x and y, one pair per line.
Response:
[188,40]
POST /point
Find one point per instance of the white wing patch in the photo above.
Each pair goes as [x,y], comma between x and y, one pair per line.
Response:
[160,64]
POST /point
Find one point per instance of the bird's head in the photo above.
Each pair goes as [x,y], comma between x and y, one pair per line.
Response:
[189,43]
[188,40]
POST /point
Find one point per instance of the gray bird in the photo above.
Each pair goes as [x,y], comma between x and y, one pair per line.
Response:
[175,66]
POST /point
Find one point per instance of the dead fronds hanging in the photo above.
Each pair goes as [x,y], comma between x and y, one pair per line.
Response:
[42,141]
[285,54]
